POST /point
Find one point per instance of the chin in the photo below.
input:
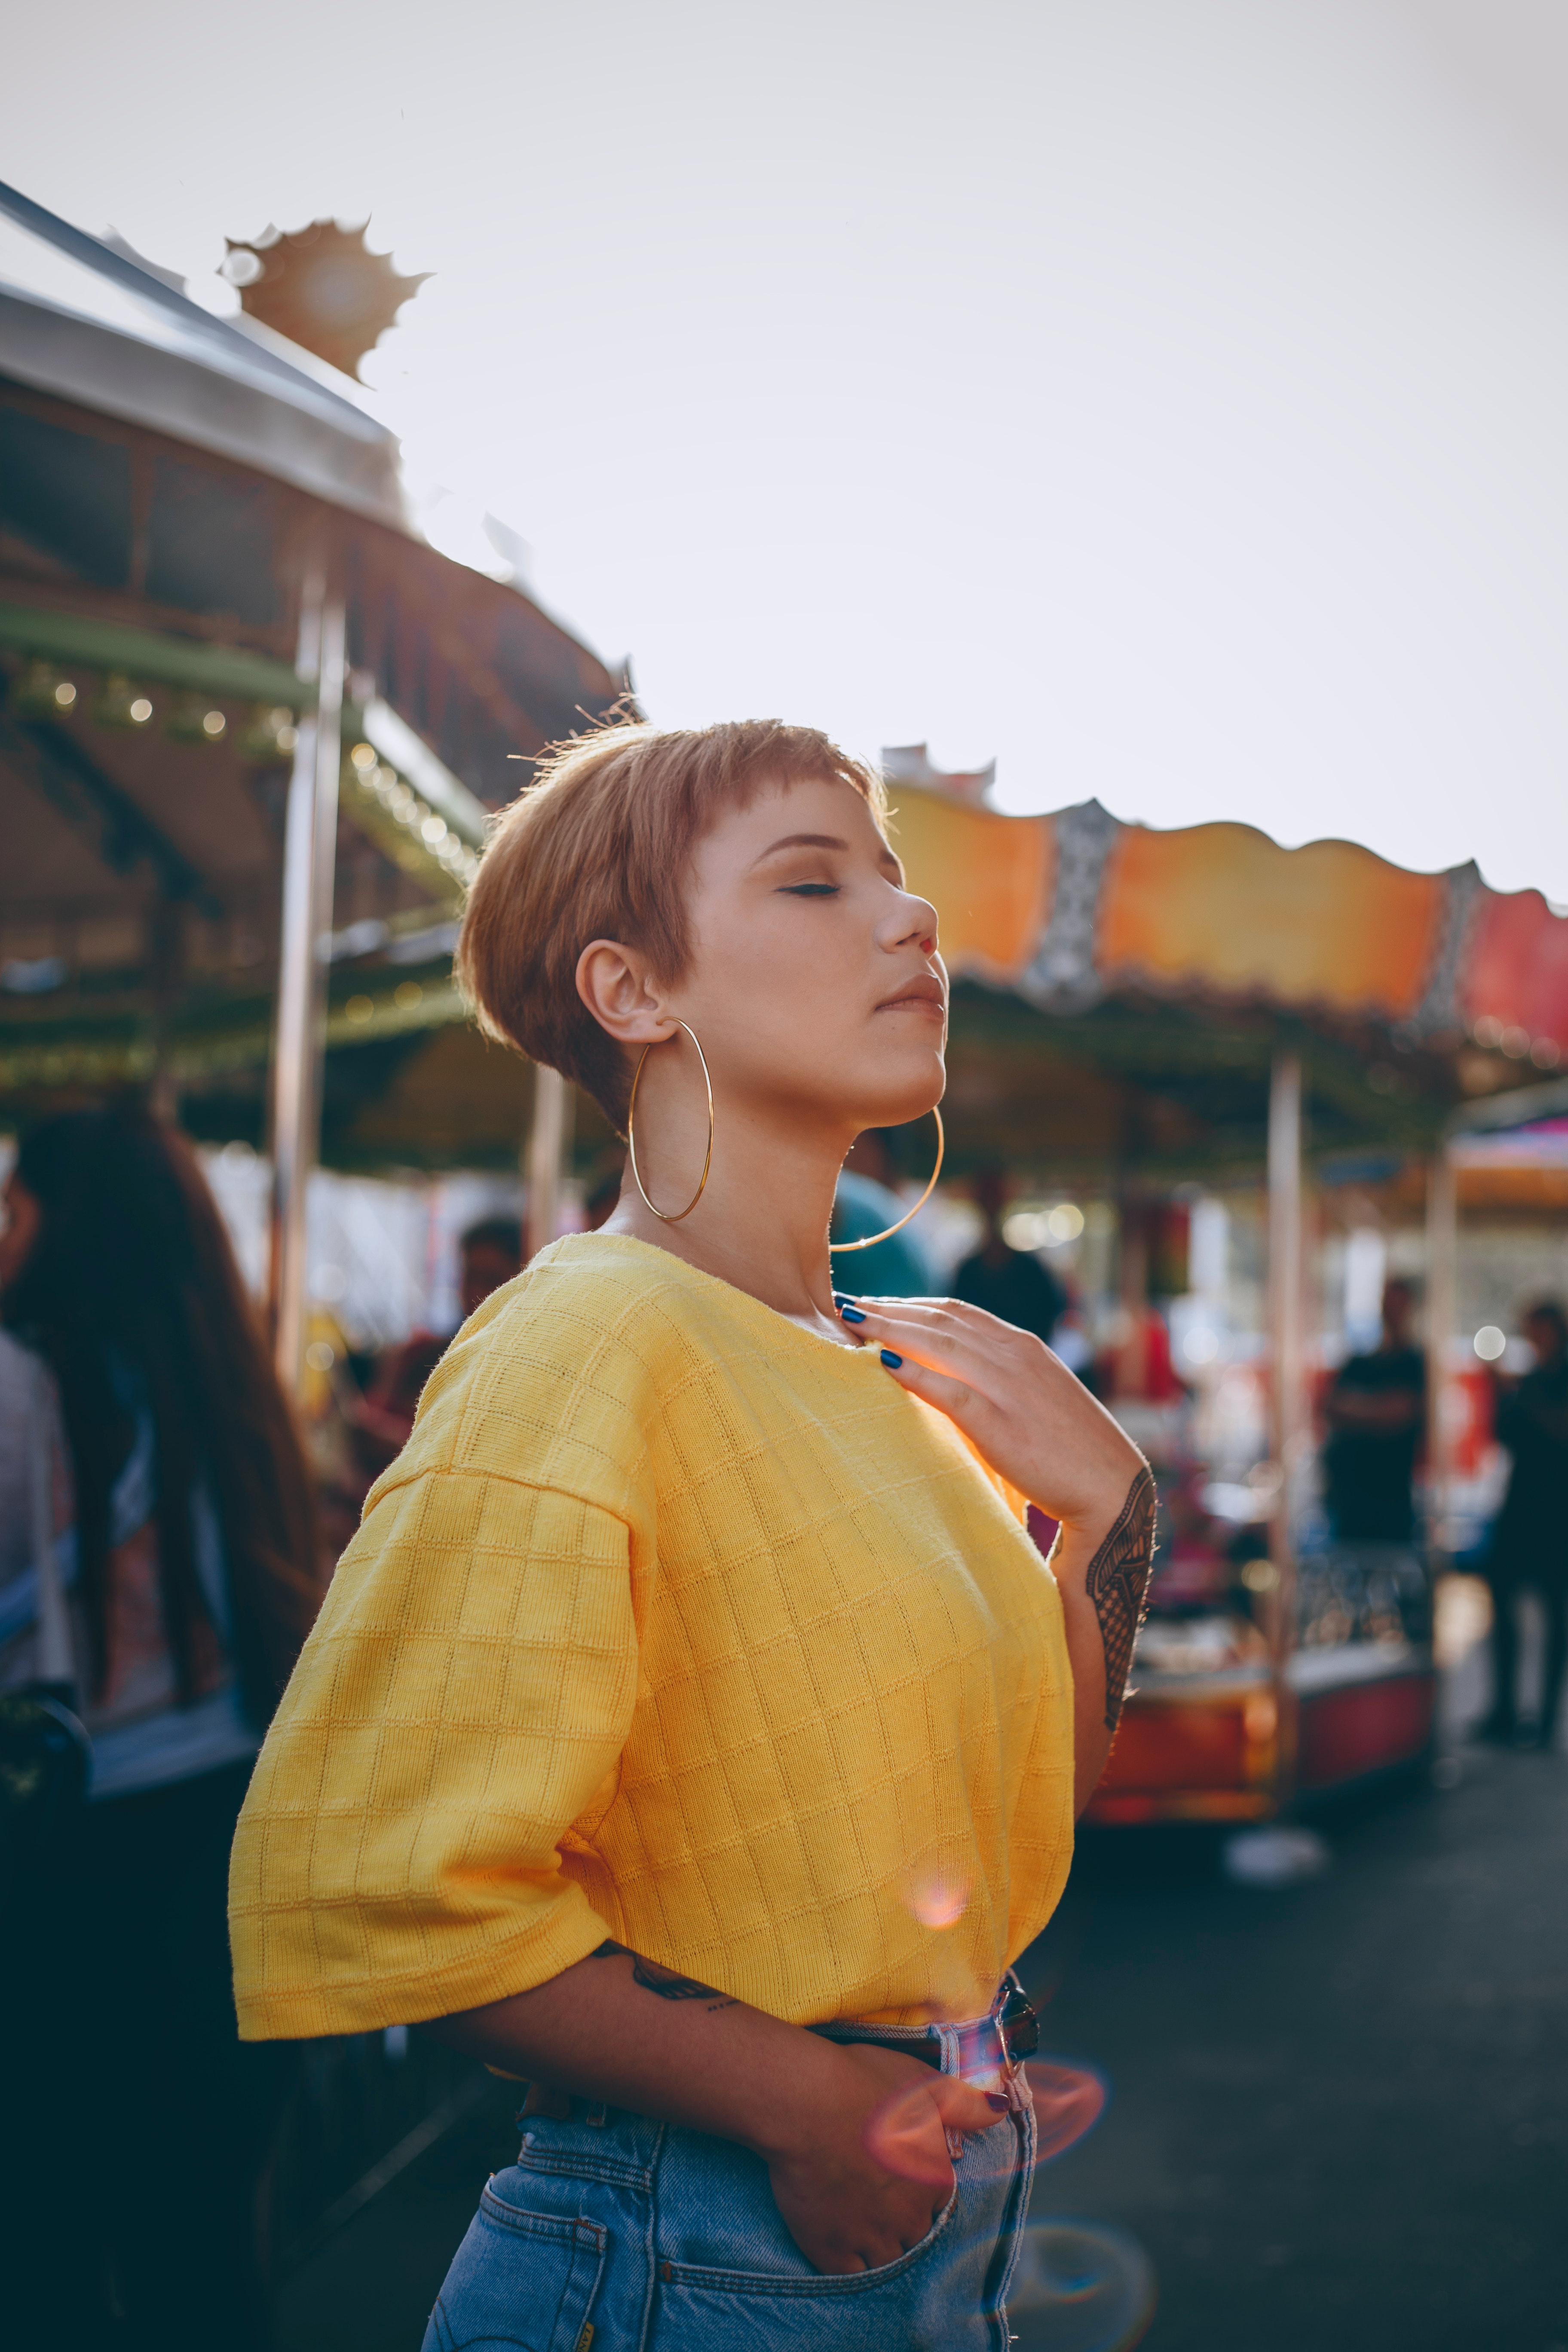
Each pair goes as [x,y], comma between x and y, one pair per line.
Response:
[894,1102]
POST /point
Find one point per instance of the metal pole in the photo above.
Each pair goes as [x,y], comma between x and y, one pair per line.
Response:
[310,849]
[549,1142]
[1442,1313]
[1290,1434]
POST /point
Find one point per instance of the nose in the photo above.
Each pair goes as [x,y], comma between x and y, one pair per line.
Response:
[911,923]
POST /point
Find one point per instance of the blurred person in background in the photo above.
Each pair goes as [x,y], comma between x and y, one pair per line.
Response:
[1009,1283]
[1530,1540]
[381,1421]
[138,2127]
[488,1253]
[1070,1339]
[1377,1412]
[29,1413]
[604,1196]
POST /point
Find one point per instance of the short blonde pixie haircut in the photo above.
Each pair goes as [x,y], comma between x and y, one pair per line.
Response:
[599,848]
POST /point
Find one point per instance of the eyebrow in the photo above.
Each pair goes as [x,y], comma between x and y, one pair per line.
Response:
[804,841]
[820,841]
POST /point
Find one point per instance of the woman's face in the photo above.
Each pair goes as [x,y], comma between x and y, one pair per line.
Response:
[23,1218]
[814,977]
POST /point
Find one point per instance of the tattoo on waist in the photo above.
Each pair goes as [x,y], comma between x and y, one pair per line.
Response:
[667,1984]
[1118,1586]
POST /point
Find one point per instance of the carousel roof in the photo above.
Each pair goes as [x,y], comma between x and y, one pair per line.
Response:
[167,480]
[88,323]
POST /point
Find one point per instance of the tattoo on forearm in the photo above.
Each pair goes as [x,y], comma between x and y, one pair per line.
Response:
[665,1982]
[1119,1585]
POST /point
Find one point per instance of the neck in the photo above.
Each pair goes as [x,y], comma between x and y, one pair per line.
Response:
[762,1222]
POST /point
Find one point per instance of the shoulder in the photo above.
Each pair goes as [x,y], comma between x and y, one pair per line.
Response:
[603,1297]
[560,1377]
[25,1381]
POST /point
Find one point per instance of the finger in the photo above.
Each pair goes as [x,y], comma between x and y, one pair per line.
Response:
[946,1347]
[905,2136]
[950,1396]
[965,2107]
[955,1313]
[934,1312]
[948,1341]
[918,2132]
[959,1383]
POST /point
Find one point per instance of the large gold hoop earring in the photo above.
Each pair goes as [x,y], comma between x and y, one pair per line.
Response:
[872,1239]
[663,1216]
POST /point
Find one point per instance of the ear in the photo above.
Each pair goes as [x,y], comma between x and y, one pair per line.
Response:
[620,991]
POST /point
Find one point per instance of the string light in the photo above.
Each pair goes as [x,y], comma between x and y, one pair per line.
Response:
[193,719]
[423,836]
[270,735]
[121,704]
[40,691]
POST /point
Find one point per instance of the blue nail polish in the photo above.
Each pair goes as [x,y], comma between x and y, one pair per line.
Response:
[894,1363]
[842,1298]
[850,1315]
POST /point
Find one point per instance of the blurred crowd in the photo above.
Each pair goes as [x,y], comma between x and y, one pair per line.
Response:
[160,1567]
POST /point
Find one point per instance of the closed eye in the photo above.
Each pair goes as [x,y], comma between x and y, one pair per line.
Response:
[810,889]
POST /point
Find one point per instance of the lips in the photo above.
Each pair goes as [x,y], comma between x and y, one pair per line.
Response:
[925,990]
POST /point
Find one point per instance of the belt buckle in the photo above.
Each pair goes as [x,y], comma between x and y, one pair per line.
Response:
[1018,2029]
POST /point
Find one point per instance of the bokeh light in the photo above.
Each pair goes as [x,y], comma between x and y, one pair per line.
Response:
[1028,1226]
[1080,2287]
[938,1901]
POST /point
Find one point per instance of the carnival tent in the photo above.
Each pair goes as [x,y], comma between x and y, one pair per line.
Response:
[253,727]
[1123,991]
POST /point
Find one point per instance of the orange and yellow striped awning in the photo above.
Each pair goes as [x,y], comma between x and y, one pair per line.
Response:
[1070,907]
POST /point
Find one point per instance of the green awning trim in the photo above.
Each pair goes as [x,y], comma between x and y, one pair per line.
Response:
[112,1054]
[109,647]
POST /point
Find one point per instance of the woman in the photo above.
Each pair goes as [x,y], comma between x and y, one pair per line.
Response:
[692,1729]
[194,1584]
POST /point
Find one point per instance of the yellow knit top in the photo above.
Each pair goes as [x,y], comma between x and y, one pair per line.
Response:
[676,1624]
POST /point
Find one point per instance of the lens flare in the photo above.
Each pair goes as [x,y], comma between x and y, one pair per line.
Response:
[1080,2287]
[1069,2102]
[939,1902]
[907,2137]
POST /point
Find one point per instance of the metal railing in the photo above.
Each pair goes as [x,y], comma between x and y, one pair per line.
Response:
[364,2107]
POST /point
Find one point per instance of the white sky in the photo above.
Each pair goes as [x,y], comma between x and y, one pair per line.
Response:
[1169,397]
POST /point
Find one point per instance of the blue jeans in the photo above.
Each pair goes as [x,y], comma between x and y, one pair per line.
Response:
[631,2236]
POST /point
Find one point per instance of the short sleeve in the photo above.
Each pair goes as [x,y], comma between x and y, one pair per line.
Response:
[463,1700]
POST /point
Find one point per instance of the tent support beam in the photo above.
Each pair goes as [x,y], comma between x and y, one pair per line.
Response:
[310,856]
[1292,1435]
[1442,1312]
[545,1161]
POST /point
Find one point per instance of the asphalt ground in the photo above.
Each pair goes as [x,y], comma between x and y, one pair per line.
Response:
[1338,2118]
[1338,2111]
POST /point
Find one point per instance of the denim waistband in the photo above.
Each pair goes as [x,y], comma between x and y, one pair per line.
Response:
[987,2051]
[984,2050]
